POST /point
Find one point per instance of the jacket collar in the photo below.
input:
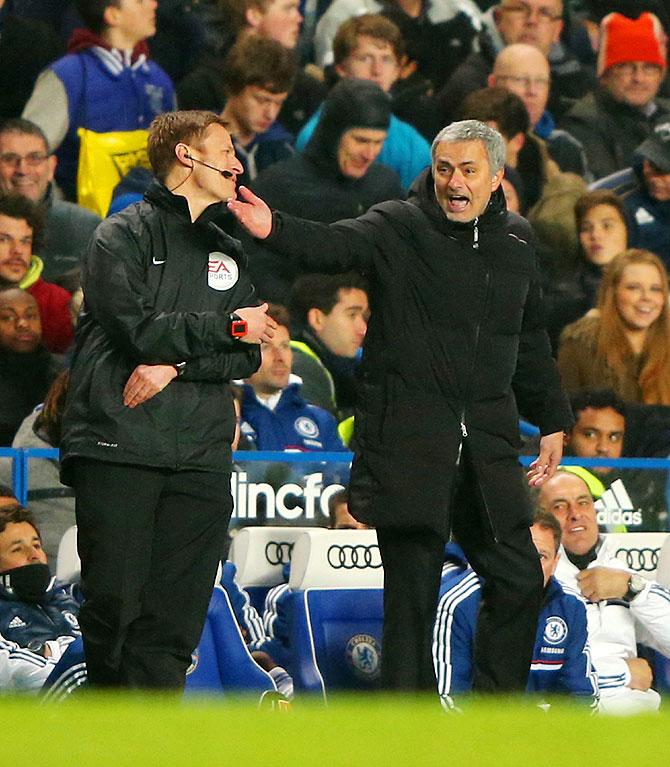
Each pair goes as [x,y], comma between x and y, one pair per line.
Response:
[33,274]
[422,194]
[160,195]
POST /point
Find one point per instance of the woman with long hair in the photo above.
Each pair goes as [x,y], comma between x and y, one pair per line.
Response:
[626,344]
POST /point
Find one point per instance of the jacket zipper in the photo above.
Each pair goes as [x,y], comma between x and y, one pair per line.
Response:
[464,428]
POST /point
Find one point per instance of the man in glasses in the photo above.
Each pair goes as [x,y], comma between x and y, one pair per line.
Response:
[27,169]
[623,111]
[523,69]
[534,22]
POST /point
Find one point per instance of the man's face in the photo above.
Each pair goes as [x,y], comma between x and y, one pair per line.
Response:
[546,548]
[16,246]
[635,83]
[20,326]
[255,109]
[536,22]
[25,167]
[342,330]
[276,361]
[135,19]
[464,181]
[280,22]
[358,149]
[567,497]
[371,59]
[215,148]
[344,520]
[528,77]
[20,545]
[598,433]
[656,181]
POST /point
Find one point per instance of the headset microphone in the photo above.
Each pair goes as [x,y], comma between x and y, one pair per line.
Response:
[224,173]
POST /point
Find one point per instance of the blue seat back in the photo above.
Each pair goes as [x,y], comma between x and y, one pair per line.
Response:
[335,637]
[222,662]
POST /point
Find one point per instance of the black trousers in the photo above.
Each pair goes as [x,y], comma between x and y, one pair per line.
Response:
[149,541]
[511,596]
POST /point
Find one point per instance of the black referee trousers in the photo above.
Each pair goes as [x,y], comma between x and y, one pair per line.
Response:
[149,542]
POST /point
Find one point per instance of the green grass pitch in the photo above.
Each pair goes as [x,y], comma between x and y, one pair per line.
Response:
[366,730]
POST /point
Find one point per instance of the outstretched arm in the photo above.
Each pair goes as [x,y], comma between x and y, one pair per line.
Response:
[252,212]
[332,248]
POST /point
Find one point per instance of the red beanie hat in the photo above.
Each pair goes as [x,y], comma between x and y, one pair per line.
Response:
[623,39]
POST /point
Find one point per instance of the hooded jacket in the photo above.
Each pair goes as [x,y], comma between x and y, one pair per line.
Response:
[405,150]
[158,290]
[96,87]
[54,305]
[455,346]
[312,185]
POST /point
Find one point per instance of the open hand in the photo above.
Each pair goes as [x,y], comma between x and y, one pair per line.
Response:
[252,213]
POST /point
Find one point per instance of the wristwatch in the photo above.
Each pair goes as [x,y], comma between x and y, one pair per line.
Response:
[179,367]
[237,327]
[636,584]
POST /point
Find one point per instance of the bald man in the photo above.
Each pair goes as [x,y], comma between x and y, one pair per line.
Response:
[533,22]
[524,70]
[623,608]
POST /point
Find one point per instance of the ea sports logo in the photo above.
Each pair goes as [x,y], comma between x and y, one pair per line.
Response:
[222,271]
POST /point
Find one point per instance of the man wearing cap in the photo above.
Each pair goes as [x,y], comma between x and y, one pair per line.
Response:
[622,112]
[648,205]
[335,177]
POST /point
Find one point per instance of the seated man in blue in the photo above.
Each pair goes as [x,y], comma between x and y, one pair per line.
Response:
[274,414]
[38,617]
[561,659]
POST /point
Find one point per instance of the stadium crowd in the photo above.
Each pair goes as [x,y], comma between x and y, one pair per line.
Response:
[332,108]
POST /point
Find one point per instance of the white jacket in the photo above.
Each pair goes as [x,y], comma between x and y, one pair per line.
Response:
[616,627]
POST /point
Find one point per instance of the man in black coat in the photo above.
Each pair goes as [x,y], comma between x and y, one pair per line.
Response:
[335,177]
[169,317]
[455,342]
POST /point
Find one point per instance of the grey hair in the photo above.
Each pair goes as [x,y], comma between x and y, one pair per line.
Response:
[474,130]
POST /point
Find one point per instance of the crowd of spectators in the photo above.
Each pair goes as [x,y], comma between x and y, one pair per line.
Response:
[332,108]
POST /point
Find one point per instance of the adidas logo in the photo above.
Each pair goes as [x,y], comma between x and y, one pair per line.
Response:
[614,507]
[16,623]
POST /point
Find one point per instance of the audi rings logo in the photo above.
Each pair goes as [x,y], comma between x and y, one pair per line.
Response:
[278,552]
[641,560]
[354,557]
